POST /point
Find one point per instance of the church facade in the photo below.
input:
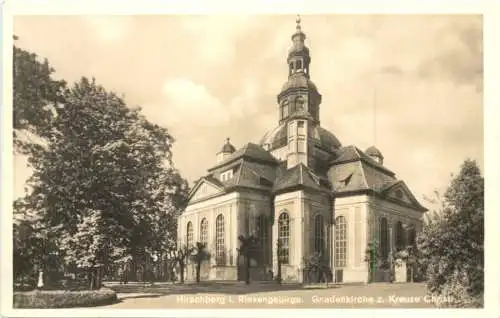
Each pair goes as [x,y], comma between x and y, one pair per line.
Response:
[299,186]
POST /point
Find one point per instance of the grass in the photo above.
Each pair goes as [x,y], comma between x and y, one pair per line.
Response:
[64,298]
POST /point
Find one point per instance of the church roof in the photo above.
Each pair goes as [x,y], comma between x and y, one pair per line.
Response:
[322,138]
[299,80]
[353,171]
[353,153]
[249,151]
[297,177]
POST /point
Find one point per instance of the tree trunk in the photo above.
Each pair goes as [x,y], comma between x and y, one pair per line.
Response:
[247,267]
[278,277]
[198,270]
[181,268]
[91,278]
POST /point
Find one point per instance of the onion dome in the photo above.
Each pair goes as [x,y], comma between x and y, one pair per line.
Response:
[375,153]
[299,80]
[228,148]
[299,47]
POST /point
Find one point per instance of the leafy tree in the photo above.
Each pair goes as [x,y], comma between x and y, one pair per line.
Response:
[317,268]
[452,246]
[37,97]
[279,258]
[248,249]
[200,256]
[104,182]
[180,257]
[373,258]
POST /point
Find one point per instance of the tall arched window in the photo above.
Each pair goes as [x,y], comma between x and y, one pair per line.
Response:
[384,239]
[299,64]
[319,235]
[399,236]
[204,231]
[299,103]
[340,242]
[220,258]
[284,237]
[263,235]
[285,109]
[189,234]
[412,236]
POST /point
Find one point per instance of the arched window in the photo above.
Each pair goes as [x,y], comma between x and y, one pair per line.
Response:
[284,237]
[340,242]
[204,231]
[399,236]
[384,239]
[299,103]
[263,235]
[412,237]
[319,235]
[220,258]
[285,109]
[299,64]
[189,232]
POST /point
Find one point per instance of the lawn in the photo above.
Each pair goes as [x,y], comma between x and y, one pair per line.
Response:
[271,295]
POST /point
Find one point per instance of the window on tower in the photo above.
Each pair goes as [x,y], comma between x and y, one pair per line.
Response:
[285,110]
[300,128]
[291,67]
[301,146]
[299,64]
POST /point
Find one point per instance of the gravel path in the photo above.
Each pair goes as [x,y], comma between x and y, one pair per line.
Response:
[256,295]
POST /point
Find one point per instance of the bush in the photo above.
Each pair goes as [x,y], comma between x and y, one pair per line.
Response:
[64,298]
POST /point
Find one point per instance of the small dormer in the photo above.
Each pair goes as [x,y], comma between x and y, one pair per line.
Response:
[227,175]
[226,151]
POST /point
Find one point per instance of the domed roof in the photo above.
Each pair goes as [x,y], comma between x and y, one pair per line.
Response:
[299,80]
[228,148]
[277,138]
[374,152]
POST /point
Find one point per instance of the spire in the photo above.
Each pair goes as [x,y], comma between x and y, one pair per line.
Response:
[299,95]
[298,54]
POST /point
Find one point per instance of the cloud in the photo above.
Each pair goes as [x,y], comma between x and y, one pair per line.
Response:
[214,36]
[109,28]
[187,102]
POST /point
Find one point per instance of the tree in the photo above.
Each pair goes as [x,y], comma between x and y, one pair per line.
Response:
[317,268]
[248,249]
[104,181]
[37,96]
[452,247]
[373,258]
[181,256]
[279,258]
[200,256]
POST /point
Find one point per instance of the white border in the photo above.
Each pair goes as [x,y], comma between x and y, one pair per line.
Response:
[491,136]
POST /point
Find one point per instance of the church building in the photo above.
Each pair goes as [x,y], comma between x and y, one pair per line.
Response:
[302,187]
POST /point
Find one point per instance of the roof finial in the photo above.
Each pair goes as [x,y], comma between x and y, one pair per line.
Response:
[298,22]
[227,139]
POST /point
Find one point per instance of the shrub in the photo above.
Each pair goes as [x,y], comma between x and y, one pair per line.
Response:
[64,298]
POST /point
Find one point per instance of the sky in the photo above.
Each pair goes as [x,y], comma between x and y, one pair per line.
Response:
[409,84]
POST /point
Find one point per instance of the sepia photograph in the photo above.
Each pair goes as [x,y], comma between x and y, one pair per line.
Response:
[260,161]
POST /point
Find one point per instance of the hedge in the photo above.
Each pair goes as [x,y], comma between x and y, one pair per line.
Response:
[64,298]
